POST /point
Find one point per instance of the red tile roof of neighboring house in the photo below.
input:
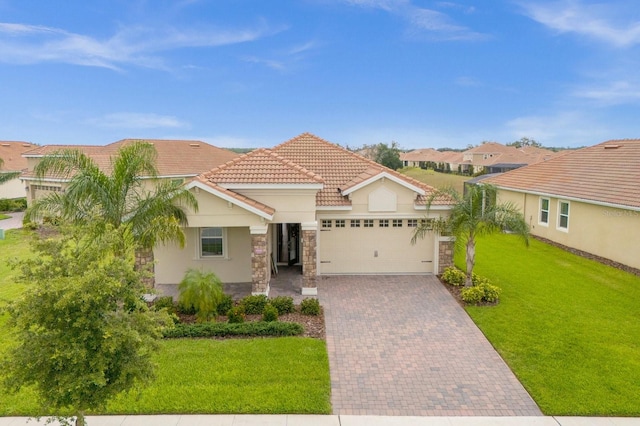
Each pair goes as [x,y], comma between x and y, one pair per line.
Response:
[605,173]
[174,157]
[11,154]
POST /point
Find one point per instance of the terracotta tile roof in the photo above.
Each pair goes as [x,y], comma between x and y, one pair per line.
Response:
[246,200]
[175,157]
[489,148]
[606,173]
[11,154]
[337,166]
[261,166]
[425,154]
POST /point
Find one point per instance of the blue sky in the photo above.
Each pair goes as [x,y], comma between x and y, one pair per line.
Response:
[250,73]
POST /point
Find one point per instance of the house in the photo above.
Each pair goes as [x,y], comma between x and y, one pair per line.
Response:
[588,199]
[12,161]
[178,160]
[308,202]
[420,157]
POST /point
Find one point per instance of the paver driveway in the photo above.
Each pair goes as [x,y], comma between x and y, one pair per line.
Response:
[401,345]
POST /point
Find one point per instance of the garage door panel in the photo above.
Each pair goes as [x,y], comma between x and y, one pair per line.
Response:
[374,251]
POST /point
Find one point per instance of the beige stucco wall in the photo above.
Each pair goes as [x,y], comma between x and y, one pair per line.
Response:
[608,232]
[291,205]
[13,188]
[404,200]
[214,211]
[172,261]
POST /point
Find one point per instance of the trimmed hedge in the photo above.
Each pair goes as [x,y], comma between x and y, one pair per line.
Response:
[221,329]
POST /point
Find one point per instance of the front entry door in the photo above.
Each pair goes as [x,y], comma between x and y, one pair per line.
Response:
[289,243]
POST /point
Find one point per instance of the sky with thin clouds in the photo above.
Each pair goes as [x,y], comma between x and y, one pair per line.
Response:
[251,73]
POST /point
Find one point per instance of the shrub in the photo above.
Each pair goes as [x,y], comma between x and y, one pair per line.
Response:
[478,280]
[165,302]
[454,276]
[270,313]
[310,307]
[201,291]
[13,204]
[223,329]
[235,315]
[254,305]
[225,304]
[483,292]
[472,295]
[284,304]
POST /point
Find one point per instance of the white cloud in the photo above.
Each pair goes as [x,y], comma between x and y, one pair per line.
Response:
[561,129]
[607,22]
[438,25]
[132,120]
[613,93]
[26,44]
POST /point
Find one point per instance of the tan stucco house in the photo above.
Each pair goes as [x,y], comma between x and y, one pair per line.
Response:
[13,162]
[309,202]
[179,160]
[588,199]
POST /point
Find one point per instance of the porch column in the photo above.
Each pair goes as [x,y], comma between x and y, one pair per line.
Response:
[445,253]
[309,258]
[260,270]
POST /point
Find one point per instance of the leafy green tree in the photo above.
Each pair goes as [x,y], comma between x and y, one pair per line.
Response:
[117,196]
[473,214]
[7,176]
[525,142]
[82,332]
[388,156]
[201,291]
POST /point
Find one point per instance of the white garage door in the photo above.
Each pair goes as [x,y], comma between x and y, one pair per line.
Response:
[373,247]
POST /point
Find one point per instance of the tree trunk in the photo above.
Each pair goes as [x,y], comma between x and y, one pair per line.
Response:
[80,421]
[471,259]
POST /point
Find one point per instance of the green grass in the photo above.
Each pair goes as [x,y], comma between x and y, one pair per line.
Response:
[4,216]
[436,179]
[567,326]
[273,375]
[287,375]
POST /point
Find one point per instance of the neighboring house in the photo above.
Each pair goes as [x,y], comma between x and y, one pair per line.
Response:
[11,154]
[588,199]
[420,157]
[308,202]
[178,160]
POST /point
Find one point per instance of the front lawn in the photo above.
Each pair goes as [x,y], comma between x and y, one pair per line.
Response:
[264,375]
[567,326]
[436,179]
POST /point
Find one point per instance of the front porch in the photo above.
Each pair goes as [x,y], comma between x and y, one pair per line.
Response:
[287,282]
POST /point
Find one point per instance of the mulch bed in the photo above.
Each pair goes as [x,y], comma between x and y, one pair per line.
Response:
[313,324]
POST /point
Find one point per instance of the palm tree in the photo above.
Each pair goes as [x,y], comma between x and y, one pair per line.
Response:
[116,198]
[475,213]
[7,176]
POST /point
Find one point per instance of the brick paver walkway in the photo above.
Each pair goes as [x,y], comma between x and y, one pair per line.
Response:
[401,345]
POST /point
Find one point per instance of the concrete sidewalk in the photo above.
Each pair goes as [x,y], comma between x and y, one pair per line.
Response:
[14,221]
[332,420]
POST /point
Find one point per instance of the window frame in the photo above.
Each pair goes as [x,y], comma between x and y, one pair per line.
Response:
[326,223]
[541,211]
[368,223]
[223,243]
[412,223]
[340,223]
[354,223]
[561,215]
[383,223]
[396,223]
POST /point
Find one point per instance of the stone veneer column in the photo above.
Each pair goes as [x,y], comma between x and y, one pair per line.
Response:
[145,262]
[445,253]
[260,270]
[309,258]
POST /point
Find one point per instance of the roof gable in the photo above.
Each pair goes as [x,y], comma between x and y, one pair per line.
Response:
[605,173]
[239,200]
[261,167]
[372,175]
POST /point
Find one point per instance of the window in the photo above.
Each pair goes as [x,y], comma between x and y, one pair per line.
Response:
[397,223]
[412,223]
[544,211]
[563,215]
[368,223]
[355,223]
[383,223]
[339,223]
[326,223]
[211,242]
